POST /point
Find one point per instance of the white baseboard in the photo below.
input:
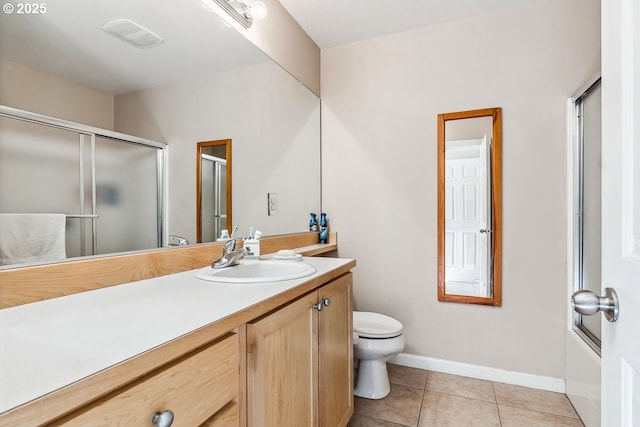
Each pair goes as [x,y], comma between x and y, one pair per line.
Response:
[481,372]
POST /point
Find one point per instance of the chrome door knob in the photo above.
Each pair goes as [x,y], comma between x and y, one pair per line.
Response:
[319,306]
[325,301]
[587,303]
[162,419]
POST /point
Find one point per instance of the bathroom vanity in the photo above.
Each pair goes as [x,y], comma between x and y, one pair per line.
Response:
[214,354]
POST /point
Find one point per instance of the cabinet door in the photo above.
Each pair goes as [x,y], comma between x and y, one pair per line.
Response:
[335,364]
[282,366]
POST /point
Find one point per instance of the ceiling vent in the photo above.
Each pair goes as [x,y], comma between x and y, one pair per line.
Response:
[132,33]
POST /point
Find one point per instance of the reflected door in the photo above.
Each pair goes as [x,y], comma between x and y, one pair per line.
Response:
[466,218]
[470,207]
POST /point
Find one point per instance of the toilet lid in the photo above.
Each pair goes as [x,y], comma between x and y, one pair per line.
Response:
[375,325]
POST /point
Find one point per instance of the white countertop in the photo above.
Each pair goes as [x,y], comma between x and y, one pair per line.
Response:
[49,344]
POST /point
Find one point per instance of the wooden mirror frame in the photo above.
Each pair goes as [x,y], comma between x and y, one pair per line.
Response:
[199,150]
[496,207]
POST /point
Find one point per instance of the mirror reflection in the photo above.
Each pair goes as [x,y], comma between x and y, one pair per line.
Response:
[71,179]
[208,83]
[469,206]
[213,189]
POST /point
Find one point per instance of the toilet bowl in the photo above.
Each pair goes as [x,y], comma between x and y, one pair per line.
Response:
[379,340]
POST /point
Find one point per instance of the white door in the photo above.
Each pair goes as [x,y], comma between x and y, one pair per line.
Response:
[464,222]
[621,210]
[466,208]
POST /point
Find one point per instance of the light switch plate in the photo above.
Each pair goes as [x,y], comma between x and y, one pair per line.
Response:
[272,204]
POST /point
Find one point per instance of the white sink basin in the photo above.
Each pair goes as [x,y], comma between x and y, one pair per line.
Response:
[257,272]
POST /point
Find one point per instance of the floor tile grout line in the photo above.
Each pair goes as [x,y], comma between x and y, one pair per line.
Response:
[541,412]
[405,385]
[424,394]
[493,387]
[464,397]
[383,420]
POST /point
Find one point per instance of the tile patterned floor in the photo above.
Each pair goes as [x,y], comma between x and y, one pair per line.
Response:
[421,398]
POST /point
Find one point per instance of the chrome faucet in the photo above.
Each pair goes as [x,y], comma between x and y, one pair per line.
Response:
[230,255]
[177,241]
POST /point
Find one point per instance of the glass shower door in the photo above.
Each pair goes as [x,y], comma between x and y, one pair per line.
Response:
[109,185]
[128,195]
[39,173]
[214,201]
[588,208]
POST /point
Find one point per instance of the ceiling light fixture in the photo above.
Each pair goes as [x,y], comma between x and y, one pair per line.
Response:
[242,12]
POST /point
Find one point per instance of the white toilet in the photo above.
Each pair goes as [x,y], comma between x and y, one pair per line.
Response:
[379,340]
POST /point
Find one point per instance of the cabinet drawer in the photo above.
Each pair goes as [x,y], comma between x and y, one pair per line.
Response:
[194,388]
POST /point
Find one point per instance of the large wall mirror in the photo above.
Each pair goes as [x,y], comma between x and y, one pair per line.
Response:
[470,207]
[203,82]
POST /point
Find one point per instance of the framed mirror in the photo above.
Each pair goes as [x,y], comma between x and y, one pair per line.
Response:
[470,207]
[213,189]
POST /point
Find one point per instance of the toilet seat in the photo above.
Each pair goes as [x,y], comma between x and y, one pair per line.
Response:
[375,325]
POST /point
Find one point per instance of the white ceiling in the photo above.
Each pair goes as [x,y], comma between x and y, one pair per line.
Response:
[68,41]
[334,22]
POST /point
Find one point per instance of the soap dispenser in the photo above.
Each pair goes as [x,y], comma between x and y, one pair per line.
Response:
[324,228]
[313,222]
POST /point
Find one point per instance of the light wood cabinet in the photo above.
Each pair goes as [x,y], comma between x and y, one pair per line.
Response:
[335,354]
[286,361]
[299,361]
[201,388]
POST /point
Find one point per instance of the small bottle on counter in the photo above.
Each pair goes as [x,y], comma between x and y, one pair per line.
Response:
[324,228]
[224,235]
[313,222]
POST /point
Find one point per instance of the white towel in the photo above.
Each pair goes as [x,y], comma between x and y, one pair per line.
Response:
[32,238]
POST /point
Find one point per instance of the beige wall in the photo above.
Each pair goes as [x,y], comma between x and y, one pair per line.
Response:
[274,125]
[380,100]
[32,90]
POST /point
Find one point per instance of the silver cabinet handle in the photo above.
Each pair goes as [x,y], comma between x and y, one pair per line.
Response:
[587,303]
[485,231]
[324,302]
[162,419]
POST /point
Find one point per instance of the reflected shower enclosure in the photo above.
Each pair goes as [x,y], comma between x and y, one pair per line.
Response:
[111,188]
[213,189]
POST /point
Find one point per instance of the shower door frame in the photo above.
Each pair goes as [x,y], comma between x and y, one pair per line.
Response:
[583,367]
[219,192]
[589,337]
[84,131]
